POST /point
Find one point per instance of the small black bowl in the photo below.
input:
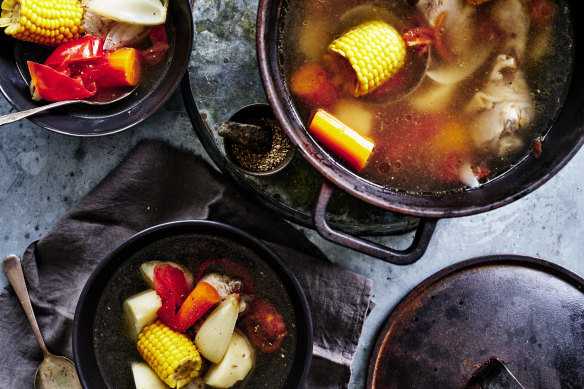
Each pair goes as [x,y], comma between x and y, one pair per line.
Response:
[83,120]
[251,114]
[103,353]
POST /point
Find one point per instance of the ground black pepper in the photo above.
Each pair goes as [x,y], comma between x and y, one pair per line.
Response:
[263,162]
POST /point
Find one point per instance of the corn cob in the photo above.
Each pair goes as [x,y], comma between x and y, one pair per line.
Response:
[172,355]
[48,22]
[375,51]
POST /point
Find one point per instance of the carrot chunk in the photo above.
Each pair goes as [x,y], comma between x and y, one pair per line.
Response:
[342,140]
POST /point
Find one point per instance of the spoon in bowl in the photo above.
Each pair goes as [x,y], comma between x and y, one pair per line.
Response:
[14,117]
[54,372]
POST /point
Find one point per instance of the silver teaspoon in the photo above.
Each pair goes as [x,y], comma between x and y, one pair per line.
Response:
[16,116]
[54,372]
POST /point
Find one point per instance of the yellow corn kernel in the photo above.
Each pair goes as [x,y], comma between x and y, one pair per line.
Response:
[171,354]
[375,51]
[40,21]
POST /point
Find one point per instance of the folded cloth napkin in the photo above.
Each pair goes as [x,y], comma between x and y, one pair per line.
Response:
[156,184]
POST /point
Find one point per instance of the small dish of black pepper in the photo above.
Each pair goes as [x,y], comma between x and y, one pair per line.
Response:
[254,141]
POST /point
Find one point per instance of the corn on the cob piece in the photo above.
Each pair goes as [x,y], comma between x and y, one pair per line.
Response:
[375,51]
[48,22]
[171,354]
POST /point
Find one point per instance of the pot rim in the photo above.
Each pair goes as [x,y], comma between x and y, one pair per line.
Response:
[528,174]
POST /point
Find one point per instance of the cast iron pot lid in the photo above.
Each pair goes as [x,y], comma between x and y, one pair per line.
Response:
[526,312]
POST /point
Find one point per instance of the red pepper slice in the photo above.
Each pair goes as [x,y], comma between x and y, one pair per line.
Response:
[170,281]
[86,48]
[52,85]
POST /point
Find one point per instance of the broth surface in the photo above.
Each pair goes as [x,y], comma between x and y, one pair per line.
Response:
[477,111]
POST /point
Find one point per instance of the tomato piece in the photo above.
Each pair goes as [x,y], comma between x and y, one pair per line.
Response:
[541,12]
[157,52]
[312,83]
[86,48]
[264,325]
[52,85]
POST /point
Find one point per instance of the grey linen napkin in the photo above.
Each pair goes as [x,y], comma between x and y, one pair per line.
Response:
[156,184]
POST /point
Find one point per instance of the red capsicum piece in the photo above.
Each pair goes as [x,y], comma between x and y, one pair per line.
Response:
[52,85]
[83,49]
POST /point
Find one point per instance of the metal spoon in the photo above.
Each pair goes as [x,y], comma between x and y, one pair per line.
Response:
[54,372]
[16,116]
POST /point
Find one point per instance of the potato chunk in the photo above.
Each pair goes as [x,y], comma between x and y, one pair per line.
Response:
[140,310]
[145,377]
[235,365]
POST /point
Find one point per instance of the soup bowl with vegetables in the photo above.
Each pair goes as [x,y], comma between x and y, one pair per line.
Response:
[192,304]
[94,50]
[425,107]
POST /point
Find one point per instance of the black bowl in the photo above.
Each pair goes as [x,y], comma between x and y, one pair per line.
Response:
[102,352]
[84,120]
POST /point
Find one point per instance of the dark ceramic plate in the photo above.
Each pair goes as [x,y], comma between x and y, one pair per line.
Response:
[83,120]
[103,353]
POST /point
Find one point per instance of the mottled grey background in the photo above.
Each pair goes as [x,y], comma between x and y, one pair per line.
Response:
[43,174]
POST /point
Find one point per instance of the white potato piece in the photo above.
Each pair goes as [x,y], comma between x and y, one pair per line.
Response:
[140,310]
[145,377]
[235,365]
[215,333]
[354,115]
[147,270]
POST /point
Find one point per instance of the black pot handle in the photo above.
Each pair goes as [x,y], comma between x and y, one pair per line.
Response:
[398,257]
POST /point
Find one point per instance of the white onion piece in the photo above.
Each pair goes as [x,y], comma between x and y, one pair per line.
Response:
[215,333]
[124,34]
[143,12]
[467,176]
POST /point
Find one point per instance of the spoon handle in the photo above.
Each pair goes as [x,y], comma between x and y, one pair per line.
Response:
[13,270]
[16,116]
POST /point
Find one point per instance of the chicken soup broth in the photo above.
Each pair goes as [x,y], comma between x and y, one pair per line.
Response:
[477,86]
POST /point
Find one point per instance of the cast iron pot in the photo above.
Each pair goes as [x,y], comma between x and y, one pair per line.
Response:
[560,144]
[103,353]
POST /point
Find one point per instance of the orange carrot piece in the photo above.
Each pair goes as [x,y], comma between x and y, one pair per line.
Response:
[122,68]
[342,140]
[203,297]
